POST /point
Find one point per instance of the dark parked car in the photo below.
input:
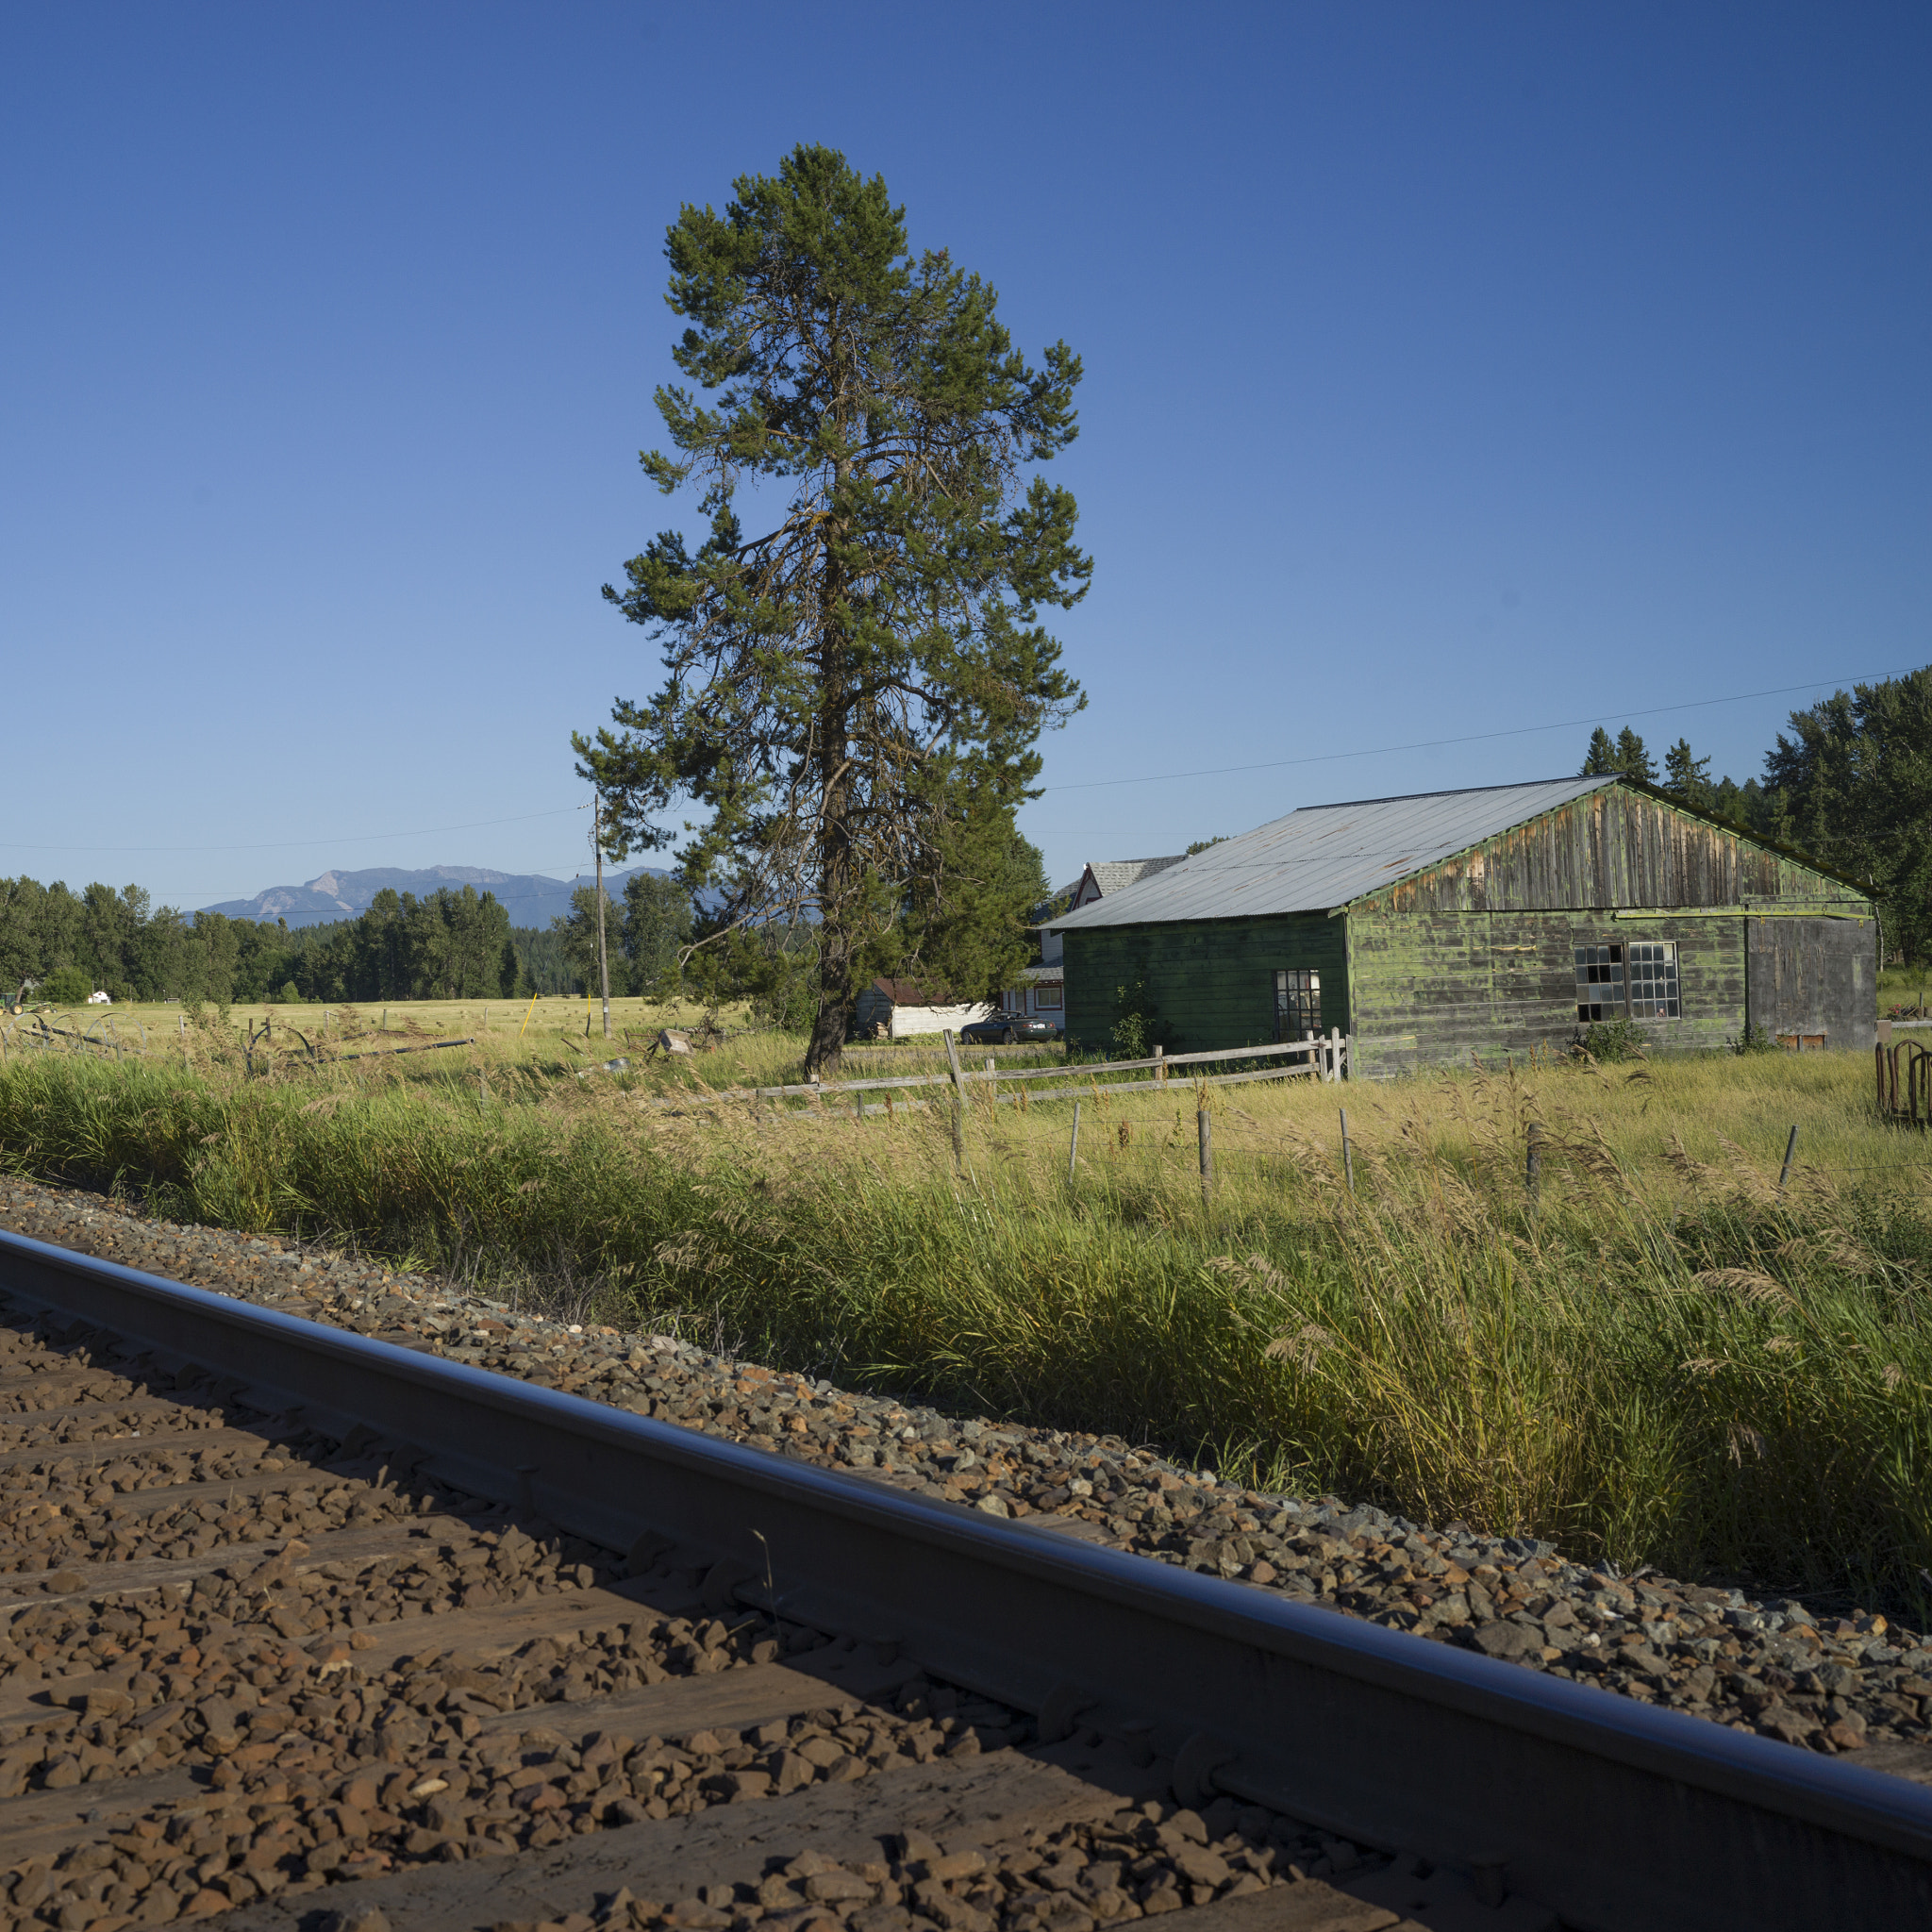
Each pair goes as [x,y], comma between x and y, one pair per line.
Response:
[1007,1029]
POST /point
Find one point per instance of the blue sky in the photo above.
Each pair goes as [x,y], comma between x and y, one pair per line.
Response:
[1449,371]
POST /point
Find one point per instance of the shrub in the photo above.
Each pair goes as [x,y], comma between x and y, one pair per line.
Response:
[1614,1040]
[66,986]
[1138,1027]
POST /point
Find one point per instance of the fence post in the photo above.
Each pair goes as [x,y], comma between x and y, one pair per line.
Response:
[1533,1163]
[993,1087]
[1074,1145]
[1203,1126]
[1347,1154]
[1785,1172]
[958,1102]
[1161,1064]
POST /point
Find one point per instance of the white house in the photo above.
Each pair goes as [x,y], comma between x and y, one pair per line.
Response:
[1041,993]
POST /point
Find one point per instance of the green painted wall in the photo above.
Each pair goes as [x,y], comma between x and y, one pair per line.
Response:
[1211,980]
[1429,987]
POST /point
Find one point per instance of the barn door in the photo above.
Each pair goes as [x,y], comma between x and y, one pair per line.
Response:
[1813,984]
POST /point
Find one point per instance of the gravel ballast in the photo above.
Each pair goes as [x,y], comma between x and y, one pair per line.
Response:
[1825,1682]
[240,1662]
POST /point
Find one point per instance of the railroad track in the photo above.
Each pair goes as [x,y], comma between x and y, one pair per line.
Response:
[298,1623]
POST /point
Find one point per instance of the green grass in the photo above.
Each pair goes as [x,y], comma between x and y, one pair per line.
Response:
[1664,1359]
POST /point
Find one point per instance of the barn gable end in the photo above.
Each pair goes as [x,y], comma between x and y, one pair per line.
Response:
[1613,847]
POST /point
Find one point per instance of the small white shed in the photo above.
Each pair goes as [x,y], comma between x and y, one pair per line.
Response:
[894,1008]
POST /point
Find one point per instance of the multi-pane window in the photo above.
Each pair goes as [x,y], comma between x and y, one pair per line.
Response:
[1297,1004]
[1637,980]
[1599,982]
[1653,967]
[1047,998]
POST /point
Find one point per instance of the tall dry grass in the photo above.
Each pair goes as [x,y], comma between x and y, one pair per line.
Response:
[1662,1357]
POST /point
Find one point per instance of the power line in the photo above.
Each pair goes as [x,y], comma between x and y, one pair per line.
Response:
[1322,758]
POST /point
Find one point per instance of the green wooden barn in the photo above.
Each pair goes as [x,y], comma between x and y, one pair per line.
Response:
[1496,920]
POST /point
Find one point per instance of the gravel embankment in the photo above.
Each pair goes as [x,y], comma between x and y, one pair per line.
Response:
[1829,1683]
[1140,1863]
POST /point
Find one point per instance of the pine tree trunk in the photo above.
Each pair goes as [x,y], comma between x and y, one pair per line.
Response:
[835,1007]
[835,835]
[836,893]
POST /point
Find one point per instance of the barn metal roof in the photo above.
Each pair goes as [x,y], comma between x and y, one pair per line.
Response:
[1323,856]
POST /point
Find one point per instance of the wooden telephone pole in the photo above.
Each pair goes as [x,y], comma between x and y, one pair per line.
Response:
[603,959]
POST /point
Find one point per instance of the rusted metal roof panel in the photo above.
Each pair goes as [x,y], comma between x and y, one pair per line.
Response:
[1325,856]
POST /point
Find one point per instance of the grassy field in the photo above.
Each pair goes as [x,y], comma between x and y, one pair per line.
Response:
[1662,1357]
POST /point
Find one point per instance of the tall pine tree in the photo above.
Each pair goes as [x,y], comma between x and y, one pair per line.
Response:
[869,666]
[1852,783]
[1623,756]
[1633,760]
[1600,760]
[1687,775]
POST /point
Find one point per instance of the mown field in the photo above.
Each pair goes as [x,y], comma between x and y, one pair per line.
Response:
[542,1038]
[1660,1357]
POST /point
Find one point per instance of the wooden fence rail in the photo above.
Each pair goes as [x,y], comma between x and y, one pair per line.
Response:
[1327,1046]
[1322,1057]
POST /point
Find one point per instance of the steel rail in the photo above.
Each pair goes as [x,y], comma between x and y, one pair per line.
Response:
[1619,1817]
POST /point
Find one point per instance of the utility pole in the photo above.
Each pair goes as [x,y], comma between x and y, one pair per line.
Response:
[603,959]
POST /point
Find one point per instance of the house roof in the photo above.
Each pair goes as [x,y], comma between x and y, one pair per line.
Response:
[907,992]
[1112,875]
[1325,856]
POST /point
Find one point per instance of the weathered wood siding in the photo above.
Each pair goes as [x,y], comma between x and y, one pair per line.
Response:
[1814,979]
[1429,988]
[1211,981]
[1610,848]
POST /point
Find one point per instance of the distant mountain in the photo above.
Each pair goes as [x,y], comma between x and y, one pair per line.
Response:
[530,898]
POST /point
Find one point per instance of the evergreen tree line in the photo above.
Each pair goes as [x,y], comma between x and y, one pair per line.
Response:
[460,944]
[1850,784]
[451,945]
